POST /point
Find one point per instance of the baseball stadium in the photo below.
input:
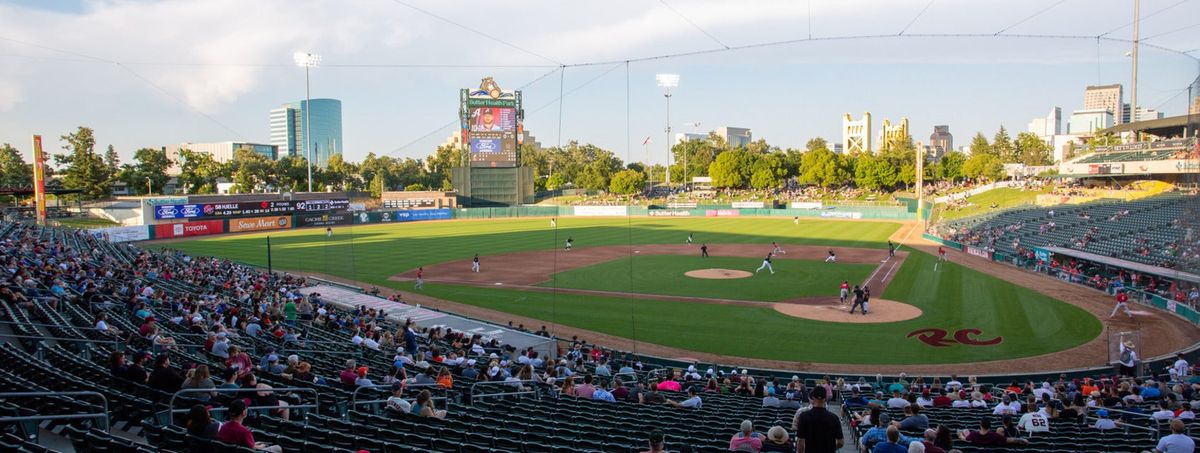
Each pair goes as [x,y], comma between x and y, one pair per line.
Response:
[1029,293]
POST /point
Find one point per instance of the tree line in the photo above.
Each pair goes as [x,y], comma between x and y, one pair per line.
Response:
[758,165]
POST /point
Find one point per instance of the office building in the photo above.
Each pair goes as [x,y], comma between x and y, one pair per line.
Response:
[1105,97]
[1195,107]
[735,137]
[220,152]
[688,136]
[1147,114]
[941,141]
[891,135]
[325,130]
[856,134]
[1047,126]
[836,147]
[1085,122]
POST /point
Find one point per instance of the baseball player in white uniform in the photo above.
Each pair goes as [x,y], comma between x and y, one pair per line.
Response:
[689,239]
[475,263]
[766,264]
[832,258]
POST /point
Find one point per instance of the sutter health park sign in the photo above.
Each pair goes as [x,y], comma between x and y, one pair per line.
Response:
[260,223]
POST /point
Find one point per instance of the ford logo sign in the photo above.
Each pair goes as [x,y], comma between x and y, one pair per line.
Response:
[191,211]
[485,146]
[166,211]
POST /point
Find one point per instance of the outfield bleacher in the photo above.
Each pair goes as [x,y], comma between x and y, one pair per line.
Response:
[1127,156]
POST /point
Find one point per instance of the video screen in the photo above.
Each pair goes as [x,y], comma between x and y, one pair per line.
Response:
[493,119]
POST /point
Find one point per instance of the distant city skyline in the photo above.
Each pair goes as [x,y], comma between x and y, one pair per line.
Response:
[401,69]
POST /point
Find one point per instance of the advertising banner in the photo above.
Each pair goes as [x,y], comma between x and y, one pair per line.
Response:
[39,178]
[805,205]
[722,213]
[259,224]
[682,205]
[982,253]
[191,211]
[592,211]
[403,216]
[122,234]
[198,228]
[842,214]
[1041,254]
[310,220]
[748,204]
[165,200]
[669,213]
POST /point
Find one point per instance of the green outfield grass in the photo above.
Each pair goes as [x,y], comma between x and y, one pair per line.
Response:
[1003,197]
[951,299]
[664,274]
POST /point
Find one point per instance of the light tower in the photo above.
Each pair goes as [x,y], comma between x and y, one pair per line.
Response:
[667,82]
[307,60]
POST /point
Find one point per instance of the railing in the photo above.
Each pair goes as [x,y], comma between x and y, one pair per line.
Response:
[1153,431]
[102,416]
[66,339]
[532,389]
[315,405]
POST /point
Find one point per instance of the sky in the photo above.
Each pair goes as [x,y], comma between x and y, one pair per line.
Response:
[147,73]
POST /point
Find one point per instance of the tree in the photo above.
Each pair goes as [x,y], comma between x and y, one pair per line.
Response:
[14,172]
[951,165]
[414,188]
[873,173]
[979,145]
[983,166]
[438,165]
[1105,139]
[1002,146]
[252,171]
[341,175]
[198,172]
[1031,150]
[151,164]
[816,143]
[627,182]
[377,185]
[84,169]
[767,171]
[731,169]
[112,161]
[824,168]
[555,181]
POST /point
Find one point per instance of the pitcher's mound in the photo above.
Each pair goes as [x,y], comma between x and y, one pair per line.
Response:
[882,310]
[717,273]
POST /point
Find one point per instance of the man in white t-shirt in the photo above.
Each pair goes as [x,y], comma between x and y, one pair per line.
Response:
[1163,412]
[1033,421]
[1007,406]
[1179,370]
[1176,442]
[896,401]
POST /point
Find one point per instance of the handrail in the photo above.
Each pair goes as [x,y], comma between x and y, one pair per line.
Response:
[39,337]
[316,404]
[1153,430]
[535,393]
[103,416]
[354,395]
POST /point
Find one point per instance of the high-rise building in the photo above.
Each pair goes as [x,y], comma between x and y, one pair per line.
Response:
[1106,97]
[1147,114]
[1085,122]
[1195,108]
[1047,126]
[891,134]
[856,134]
[735,137]
[220,152]
[940,142]
[325,129]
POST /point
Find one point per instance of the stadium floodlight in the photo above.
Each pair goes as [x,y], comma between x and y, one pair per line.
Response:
[307,60]
[668,81]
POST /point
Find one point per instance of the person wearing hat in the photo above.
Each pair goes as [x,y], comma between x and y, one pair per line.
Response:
[746,439]
[656,442]
[396,402]
[363,380]
[817,429]
[1177,441]
[878,434]
[1128,358]
[1104,423]
[778,441]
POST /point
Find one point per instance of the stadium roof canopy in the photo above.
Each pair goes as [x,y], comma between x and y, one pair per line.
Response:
[1172,126]
[1126,264]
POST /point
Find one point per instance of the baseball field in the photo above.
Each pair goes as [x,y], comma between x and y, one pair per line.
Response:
[626,277]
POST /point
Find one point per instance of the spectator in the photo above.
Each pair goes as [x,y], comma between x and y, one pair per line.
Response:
[656,442]
[897,401]
[915,420]
[424,406]
[891,445]
[164,377]
[1033,421]
[239,361]
[220,347]
[444,379]
[1177,441]
[362,380]
[396,402]
[878,433]
[777,441]
[116,364]
[817,429]
[233,432]
[693,401]
[586,389]
[265,397]
[1104,423]
[984,435]
[350,373]
[931,440]
[746,439]
[137,371]
[1164,411]
[199,378]
[201,424]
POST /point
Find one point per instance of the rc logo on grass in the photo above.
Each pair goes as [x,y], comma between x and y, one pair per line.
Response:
[937,337]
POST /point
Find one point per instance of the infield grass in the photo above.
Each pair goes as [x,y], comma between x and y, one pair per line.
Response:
[664,274]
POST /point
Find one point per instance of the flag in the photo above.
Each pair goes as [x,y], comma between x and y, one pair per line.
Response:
[646,141]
